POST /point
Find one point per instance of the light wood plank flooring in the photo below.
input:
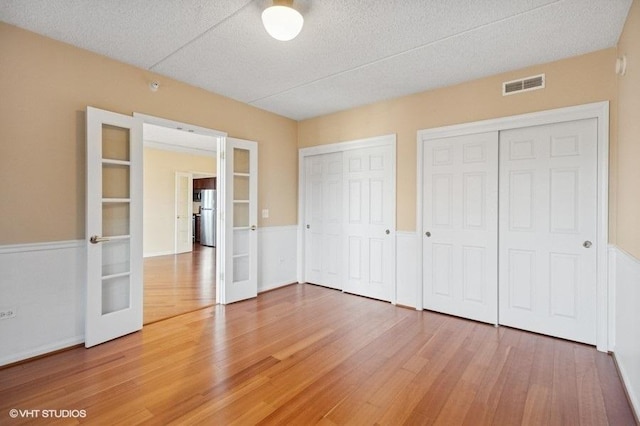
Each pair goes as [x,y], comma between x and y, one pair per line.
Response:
[308,355]
[176,284]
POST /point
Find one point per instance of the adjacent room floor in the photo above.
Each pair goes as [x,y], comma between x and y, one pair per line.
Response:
[304,354]
[176,284]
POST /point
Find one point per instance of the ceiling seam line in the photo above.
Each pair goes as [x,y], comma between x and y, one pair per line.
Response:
[202,34]
[395,55]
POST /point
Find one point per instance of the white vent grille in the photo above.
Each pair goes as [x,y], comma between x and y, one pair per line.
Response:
[523,85]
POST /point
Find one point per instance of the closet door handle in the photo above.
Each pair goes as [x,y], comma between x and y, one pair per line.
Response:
[428,234]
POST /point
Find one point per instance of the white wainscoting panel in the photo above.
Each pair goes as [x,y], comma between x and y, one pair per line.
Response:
[277,256]
[44,283]
[407,283]
[627,319]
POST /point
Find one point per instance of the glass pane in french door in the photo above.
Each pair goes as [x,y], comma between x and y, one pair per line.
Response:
[115,143]
[116,219]
[241,216]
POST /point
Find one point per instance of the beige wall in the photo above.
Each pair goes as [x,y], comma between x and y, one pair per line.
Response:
[45,87]
[160,169]
[573,81]
[628,154]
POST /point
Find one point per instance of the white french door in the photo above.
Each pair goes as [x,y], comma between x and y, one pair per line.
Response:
[113,226]
[459,236]
[184,213]
[369,206]
[548,213]
[323,219]
[238,219]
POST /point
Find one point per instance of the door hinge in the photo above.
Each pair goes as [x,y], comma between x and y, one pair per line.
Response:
[222,155]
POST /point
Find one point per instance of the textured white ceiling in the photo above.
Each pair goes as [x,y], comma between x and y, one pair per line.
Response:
[349,53]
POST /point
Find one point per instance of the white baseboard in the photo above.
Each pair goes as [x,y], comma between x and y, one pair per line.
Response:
[274,286]
[42,350]
[44,284]
[626,282]
[159,253]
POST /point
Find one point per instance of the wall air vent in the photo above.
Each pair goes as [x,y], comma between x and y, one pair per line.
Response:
[523,85]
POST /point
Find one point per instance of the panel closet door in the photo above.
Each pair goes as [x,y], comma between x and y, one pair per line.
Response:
[548,205]
[460,226]
[369,197]
[323,220]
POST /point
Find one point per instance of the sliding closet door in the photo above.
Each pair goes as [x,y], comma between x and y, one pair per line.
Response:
[369,198]
[459,233]
[323,219]
[548,208]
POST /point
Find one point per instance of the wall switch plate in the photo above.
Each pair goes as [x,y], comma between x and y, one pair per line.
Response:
[7,313]
[265,213]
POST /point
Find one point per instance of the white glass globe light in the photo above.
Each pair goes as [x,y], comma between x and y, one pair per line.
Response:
[282,22]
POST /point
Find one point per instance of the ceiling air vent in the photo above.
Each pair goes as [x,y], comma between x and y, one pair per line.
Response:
[523,85]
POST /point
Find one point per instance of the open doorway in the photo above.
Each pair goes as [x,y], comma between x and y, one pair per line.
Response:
[177,279]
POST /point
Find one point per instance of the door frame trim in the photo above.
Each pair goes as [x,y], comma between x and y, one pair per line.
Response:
[220,138]
[597,110]
[303,153]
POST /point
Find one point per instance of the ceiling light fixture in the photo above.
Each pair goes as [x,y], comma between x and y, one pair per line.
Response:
[282,21]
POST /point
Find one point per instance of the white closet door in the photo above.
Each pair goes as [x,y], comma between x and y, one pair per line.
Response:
[548,185]
[323,220]
[369,197]
[460,226]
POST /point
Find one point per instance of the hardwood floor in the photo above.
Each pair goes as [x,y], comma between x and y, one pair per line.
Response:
[308,355]
[176,284]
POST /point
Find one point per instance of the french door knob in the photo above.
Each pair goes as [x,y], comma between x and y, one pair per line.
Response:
[96,239]
[428,234]
[586,244]
[308,226]
[387,232]
[253,227]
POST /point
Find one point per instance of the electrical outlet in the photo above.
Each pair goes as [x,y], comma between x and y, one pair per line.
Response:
[7,313]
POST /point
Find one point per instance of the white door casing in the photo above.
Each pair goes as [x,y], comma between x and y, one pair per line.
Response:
[323,220]
[369,230]
[113,226]
[184,213]
[459,235]
[238,220]
[548,209]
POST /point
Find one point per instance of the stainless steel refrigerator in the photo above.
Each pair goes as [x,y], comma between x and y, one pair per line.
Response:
[208,217]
